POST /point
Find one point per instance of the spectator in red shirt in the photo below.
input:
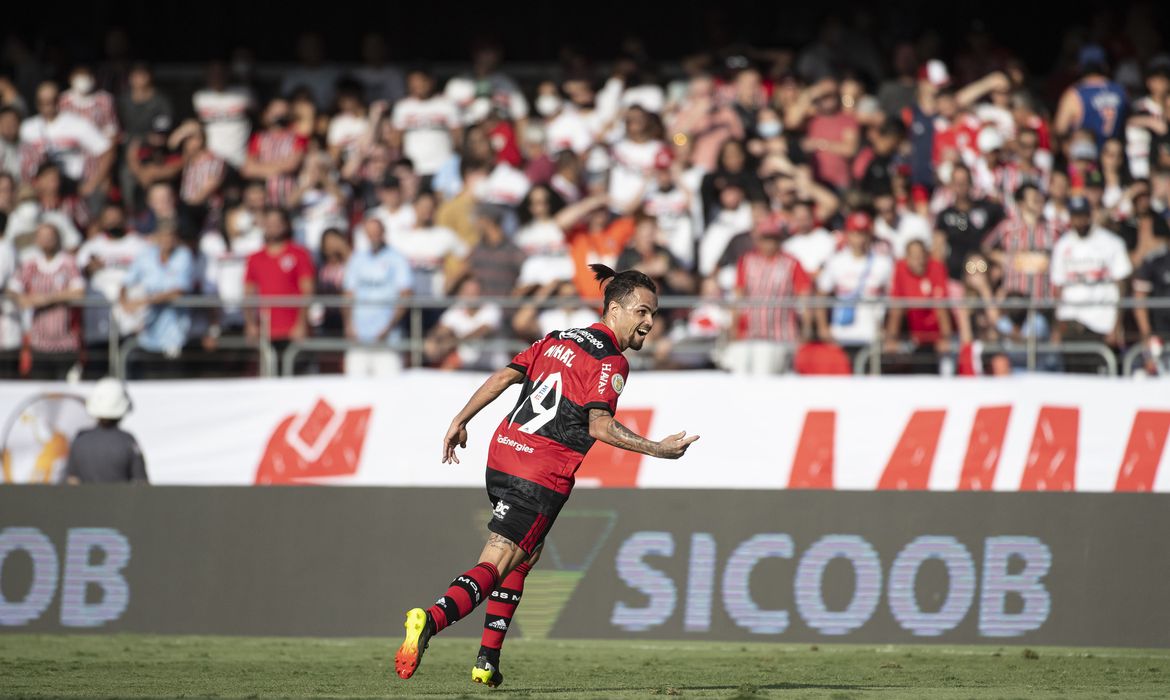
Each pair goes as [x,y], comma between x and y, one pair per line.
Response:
[918,276]
[831,134]
[766,335]
[281,268]
[275,154]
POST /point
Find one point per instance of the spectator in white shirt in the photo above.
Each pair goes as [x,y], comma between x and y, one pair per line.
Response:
[811,245]
[48,206]
[84,155]
[735,217]
[434,252]
[1089,264]
[854,274]
[393,210]
[452,344]
[224,113]
[426,125]
[95,106]
[105,259]
[350,126]
[634,159]
[10,141]
[897,228]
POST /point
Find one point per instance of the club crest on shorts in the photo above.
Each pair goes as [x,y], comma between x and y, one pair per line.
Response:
[501,510]
[618,383]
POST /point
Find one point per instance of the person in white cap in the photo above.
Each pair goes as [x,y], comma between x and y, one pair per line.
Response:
[106,453]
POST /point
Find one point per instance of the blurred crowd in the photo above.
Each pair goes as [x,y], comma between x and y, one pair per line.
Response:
[843,169]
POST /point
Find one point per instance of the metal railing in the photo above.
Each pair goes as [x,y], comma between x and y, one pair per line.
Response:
[868,359]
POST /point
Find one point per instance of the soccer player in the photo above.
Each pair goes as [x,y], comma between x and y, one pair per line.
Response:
[572,380]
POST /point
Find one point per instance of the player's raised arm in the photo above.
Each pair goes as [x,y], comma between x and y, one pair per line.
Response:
[489,391]
[603,426]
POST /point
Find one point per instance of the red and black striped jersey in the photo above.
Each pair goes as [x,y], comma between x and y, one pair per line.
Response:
[567,373]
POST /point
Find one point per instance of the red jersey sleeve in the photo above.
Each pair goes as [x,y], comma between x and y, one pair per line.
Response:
[250,272]
[523,360]
[608,382]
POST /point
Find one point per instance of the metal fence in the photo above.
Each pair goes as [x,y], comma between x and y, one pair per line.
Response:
[1032,351]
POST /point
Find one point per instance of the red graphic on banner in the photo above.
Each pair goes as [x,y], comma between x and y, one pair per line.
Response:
[911,460]
[1052,459]
[1143,452]
[611,468]
[812,465]
[321,443]
[984,448]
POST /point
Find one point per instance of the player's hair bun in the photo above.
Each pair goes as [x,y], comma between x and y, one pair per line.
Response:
[601,273]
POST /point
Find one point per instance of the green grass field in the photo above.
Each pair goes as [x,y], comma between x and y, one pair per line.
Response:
[165,666]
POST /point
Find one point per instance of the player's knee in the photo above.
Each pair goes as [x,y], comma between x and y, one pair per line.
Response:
[535,556]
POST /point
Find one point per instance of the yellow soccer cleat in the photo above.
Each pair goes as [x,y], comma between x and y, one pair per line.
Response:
[486,673]
[418,635]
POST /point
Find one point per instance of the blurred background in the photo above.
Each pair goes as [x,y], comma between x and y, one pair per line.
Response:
[815,189]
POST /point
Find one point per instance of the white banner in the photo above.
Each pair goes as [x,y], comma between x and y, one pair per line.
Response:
[1049,433]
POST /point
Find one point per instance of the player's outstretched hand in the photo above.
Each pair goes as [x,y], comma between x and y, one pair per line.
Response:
[456,437]
[675,446]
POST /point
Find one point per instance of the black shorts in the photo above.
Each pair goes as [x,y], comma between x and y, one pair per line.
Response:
[522,511]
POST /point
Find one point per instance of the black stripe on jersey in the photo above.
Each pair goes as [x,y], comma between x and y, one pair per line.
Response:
[593,342]
[598,404]
[519,368]
[569,427]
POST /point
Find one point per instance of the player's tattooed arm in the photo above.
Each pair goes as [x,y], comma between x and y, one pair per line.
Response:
[606,428]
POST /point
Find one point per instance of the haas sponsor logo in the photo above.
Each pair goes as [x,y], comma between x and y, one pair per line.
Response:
[324,442]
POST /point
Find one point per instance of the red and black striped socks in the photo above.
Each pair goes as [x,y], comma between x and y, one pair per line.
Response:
[466,592]
[500,609]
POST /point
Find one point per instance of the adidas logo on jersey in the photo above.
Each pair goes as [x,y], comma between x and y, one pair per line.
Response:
[500,625]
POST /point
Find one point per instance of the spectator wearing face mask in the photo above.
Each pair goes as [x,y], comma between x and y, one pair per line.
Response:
[93,105]
[275,154]
[105,259]
[151,161]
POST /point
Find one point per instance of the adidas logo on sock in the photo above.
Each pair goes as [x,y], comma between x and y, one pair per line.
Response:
[499,625]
